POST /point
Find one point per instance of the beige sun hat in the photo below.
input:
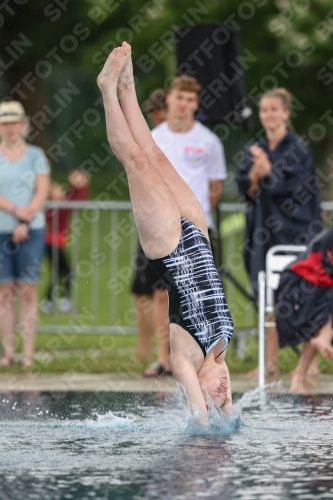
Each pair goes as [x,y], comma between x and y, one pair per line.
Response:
[12,111]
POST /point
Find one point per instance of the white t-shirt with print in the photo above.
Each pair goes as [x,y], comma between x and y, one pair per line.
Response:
[198,157]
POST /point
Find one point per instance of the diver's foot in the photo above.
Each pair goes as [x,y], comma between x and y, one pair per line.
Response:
[113,66]
[126,79]
[298,386]
[323,346]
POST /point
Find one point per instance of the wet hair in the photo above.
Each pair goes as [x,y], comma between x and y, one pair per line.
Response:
[186,83]
[283,94]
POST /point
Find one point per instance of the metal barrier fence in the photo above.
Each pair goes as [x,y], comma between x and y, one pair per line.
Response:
[101,244]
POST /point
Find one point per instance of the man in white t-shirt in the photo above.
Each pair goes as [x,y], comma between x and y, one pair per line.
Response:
[196,153]
[198,156]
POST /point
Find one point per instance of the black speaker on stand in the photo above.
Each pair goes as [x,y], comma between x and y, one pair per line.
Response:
[211,53]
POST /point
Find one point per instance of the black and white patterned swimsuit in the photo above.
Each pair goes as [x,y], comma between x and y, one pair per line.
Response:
[196,298]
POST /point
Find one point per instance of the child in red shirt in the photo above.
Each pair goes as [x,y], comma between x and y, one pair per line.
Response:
[56,237]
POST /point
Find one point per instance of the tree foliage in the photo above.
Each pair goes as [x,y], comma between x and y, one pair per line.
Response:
[68,41]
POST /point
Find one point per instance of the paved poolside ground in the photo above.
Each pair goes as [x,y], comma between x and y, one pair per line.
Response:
[127,382]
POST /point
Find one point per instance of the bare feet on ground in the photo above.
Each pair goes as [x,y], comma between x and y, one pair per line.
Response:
[323,346]
[298,386]
[311,377]
[157,369]
[113,67]
[7,361]
[271,375]
[253,374]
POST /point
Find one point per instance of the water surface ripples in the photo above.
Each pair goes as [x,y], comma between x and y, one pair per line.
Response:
[121,446]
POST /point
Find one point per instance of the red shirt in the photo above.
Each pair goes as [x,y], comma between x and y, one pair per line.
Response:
[57,220]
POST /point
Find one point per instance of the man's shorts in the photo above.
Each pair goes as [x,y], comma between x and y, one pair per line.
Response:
[21,262]
[145,280]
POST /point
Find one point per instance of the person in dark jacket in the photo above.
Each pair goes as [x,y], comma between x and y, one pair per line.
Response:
[278,180]
[304,307]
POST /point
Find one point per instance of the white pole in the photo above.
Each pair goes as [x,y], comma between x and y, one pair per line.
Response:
[261,280]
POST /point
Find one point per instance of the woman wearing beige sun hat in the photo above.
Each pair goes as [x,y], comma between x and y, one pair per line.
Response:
[24,185]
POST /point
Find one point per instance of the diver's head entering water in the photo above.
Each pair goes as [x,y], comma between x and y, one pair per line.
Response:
[214,383]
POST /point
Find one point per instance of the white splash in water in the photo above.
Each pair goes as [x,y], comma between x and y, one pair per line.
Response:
[110,420]
[219,423]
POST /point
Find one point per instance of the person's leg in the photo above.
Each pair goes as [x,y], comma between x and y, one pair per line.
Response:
[155,211]
[65,272]
[162,330]
[322,342]
[143,296]
[272,349]
[7,321]
[162,327]
[28,320]
[53,273]
[144,322]
[186,200]
[313,373]
[299,375]
[28,264]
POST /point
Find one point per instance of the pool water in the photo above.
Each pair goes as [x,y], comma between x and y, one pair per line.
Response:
[57,445]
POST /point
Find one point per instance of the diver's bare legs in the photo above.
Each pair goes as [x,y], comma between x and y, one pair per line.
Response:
[156,214]
[186,200]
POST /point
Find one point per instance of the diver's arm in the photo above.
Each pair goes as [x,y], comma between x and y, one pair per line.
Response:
[227,406]
[186,374]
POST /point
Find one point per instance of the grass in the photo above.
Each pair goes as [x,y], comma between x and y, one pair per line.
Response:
[77,353]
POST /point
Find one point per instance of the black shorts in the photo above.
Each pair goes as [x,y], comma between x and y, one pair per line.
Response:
[145,280]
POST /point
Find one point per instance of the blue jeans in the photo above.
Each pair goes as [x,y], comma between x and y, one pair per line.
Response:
[21,262]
